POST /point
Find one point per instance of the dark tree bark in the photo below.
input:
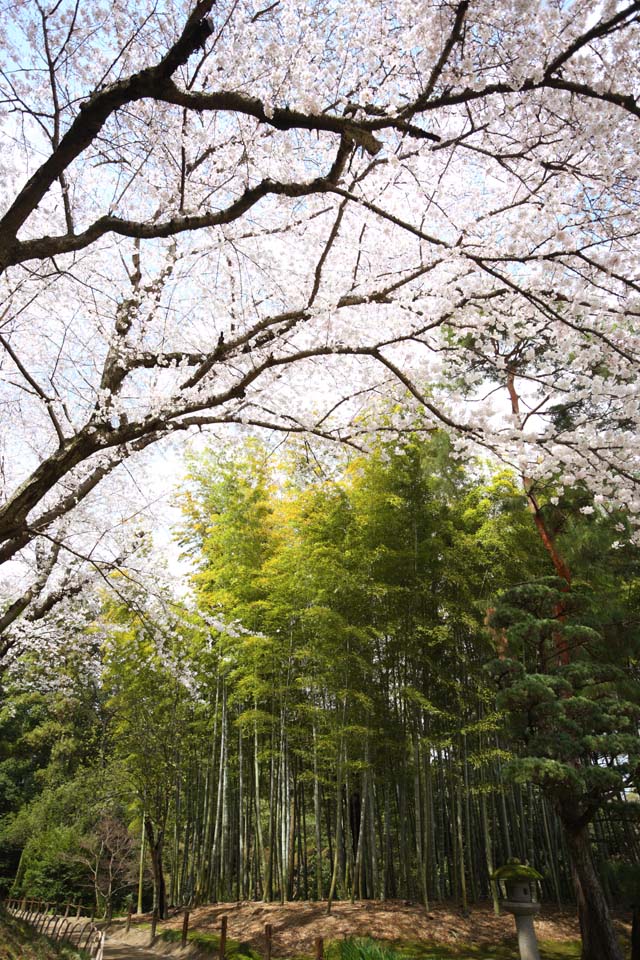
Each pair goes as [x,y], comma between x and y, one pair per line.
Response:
[156,844]
[635,934]
[599,941]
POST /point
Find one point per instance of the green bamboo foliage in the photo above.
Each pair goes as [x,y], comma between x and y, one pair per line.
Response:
[353,747]
[338,736]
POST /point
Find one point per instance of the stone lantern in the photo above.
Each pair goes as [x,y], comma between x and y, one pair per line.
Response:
[518,885]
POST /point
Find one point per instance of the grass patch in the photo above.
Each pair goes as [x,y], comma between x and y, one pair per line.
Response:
[361,948]
[210,943]
[364,948]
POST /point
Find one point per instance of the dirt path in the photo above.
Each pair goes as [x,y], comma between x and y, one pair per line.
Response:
[114,949]
[123,951]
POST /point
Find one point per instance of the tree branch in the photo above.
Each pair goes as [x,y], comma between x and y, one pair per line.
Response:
[45,247]
[94,113]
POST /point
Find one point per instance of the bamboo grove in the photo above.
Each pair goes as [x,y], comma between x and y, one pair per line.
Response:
[321,722]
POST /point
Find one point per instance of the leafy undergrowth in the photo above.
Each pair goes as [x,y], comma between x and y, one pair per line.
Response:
[18,941]
[366,949]
[210,943]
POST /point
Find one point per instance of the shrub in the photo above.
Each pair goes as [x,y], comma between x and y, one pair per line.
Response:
[361,948]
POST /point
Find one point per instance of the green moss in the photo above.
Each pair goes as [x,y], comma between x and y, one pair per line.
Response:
[568,949]
[365,948]
[210,943]
[514,870]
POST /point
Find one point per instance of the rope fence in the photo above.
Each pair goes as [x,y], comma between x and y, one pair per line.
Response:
[61,923]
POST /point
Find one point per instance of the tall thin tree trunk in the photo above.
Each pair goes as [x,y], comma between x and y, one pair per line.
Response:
[212,876]
[487,852]
[461,858]
[155,839]
[420,831]
[261,858]
[272,825]
[241,822]
[141,868]
[357,869]
[318,815]
[338,837]
[389,876]
[373,891]
[291,848]
[599,941]
[302,849]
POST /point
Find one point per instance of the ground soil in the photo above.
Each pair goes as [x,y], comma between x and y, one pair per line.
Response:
[296,925]
[127,951]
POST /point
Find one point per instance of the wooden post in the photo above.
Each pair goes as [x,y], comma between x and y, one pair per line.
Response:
[223,938]
[129,917]
[319,948]
[154,924]
[79,910]
[268,932]
[185,928]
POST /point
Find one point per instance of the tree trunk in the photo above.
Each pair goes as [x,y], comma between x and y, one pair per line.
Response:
[599,941]
[488,853]
[141,868]
[356,890]
[420,832]
[240,887]
[318,821]
[261,864]
[635,935]
[156,842]
[336,856]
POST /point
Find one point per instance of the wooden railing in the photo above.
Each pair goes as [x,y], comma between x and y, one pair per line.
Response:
[65,924]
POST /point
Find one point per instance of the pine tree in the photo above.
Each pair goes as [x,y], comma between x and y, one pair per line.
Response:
[575,721]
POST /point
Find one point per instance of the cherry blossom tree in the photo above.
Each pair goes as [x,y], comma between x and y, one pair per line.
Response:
[272,214]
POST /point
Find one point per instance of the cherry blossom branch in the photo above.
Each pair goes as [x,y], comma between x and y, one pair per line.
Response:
[18,606]
[95,112]
[44,247]
[35,386]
